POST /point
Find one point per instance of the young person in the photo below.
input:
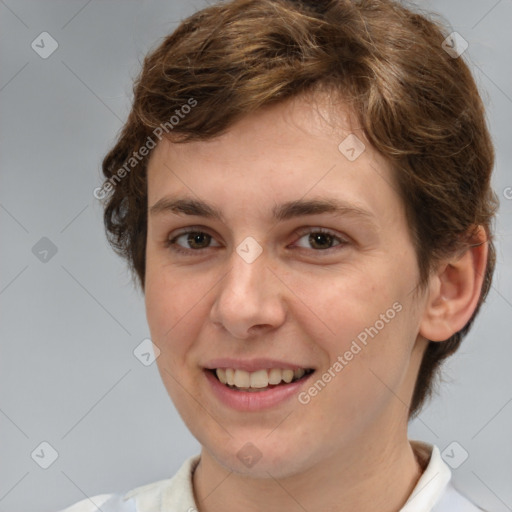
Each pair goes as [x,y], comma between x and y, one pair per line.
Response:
[302,190]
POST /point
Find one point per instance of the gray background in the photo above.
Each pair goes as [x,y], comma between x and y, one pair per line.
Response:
[69,325]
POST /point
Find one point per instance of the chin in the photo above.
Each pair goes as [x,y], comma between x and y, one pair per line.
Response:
[263,458]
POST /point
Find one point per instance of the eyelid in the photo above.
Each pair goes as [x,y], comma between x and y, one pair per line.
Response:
[189,229]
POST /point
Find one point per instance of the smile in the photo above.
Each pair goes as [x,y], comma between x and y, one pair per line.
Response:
[259,380]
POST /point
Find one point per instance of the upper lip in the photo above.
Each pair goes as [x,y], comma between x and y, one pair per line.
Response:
[252,365]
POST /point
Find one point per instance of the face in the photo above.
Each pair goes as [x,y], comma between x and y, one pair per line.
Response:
[272,253]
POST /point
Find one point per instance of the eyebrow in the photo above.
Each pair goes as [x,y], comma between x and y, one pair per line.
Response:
[280,212]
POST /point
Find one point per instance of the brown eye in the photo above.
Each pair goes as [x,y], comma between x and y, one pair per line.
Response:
[319,240]
[191,241]
[198,240]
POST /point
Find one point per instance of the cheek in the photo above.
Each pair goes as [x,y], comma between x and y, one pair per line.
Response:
[342,302]
[172,305]
[365,317]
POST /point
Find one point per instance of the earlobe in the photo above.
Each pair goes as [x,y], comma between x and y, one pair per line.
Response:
[454,291]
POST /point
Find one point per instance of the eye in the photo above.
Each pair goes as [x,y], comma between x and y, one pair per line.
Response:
[195,240]
[320,239]
[191,240]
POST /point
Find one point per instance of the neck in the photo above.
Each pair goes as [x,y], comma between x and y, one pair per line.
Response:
[363,478]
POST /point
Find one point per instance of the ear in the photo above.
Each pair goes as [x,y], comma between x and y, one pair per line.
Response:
[454,291]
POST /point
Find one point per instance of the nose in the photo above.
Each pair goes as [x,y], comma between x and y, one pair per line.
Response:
[249,300]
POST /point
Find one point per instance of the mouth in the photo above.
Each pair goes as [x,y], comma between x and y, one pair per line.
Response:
[259,380]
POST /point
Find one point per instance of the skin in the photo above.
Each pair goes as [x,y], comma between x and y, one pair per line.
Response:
[347,449]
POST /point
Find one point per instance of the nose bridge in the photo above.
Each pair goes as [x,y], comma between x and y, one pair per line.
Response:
[247,296]
[247,275]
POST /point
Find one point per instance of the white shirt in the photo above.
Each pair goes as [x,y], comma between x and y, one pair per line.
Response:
[432,493]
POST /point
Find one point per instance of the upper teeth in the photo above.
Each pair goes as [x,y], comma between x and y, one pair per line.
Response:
[259,378]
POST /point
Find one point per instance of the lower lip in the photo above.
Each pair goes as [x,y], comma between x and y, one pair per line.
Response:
[256,400]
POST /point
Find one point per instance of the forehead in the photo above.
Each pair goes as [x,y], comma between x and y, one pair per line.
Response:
[302,148]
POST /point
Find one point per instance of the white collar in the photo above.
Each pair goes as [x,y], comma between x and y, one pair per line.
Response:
[432,483]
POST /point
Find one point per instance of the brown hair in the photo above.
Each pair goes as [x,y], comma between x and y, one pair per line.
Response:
[418,106]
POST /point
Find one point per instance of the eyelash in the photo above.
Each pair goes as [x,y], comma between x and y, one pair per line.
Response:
[171,243]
